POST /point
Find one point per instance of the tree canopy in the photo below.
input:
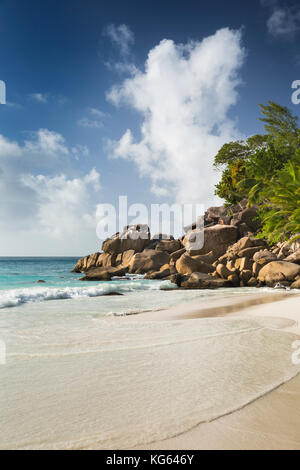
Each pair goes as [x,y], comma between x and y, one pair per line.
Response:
[261,169]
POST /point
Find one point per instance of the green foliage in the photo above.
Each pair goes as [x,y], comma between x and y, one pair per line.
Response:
[279,121]
[281,215]
[266,170]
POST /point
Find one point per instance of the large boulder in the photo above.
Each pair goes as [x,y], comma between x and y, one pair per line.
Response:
[105,260]
[187,264]
[264,257]
[204,281]
[296,285]
[164,273]
[133,237]
[246,220]
[216,239]
[176,255]
[170,246]
[104,274]
[278,271]
[250,252]
[87,262]
[148,260]
[294,257]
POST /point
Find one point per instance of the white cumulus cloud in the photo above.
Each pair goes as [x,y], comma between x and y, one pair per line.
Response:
[184,95]
[121,36]
[46,206]
[283,21]
[63,203]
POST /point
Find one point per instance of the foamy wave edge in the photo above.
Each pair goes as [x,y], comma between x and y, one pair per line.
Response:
[16,297]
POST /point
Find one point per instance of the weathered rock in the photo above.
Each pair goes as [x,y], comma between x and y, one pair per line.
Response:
[126,257]
[103,274]
[81,265]
[187,264]
[204,281]
[175,256]
[289,247]
[234,278]
[294,257]
[92,260]
[249,252]
[208,258]
[164,273]
[162,236]
[243,263]
[263,257]
[222,271]
[256,268]
[246,220]
[134,237]
[178,279]
[296,285]
[278,271]
[245,243]
[216,239]
[105,260]
[245,275]
[230,265]
[252,282]
[170,246]
[148,260]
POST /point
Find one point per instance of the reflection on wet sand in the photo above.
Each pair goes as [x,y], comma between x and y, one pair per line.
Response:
[220,311]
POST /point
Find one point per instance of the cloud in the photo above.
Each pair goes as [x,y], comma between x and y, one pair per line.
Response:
[40,97]
[97,112]
[91,123]
[47,142]
[95,121]
[121,36]
[62,203]
[80,151]
[42,197]
[183,95]
[284,21]
[44,98]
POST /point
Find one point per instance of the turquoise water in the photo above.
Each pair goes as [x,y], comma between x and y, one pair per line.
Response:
[21,292]
[25,272]
[19,283]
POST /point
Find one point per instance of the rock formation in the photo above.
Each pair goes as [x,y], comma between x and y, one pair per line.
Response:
[230,254]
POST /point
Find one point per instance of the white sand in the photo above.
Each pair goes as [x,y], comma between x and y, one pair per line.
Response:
[270,422]
[126,382]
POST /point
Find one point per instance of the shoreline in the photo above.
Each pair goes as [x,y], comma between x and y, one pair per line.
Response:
[271,421]
[208,361]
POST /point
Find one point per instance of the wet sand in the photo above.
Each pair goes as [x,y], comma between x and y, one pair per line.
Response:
[148,380]
[270,422]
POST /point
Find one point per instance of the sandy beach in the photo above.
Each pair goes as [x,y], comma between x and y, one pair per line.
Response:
[147,381]
[270,422]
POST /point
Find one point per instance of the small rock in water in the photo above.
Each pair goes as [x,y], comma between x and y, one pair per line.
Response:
[113,293]
[41,280]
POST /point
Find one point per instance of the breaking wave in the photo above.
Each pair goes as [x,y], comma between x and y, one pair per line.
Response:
[15,297]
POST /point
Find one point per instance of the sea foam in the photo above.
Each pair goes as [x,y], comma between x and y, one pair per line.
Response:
[15,297]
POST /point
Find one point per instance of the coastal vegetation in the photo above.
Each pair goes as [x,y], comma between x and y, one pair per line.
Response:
[250,241]
[265,169]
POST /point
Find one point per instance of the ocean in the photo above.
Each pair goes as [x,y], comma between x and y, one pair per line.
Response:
[81,371]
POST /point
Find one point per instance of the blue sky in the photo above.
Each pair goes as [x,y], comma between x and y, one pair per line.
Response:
[88,118]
